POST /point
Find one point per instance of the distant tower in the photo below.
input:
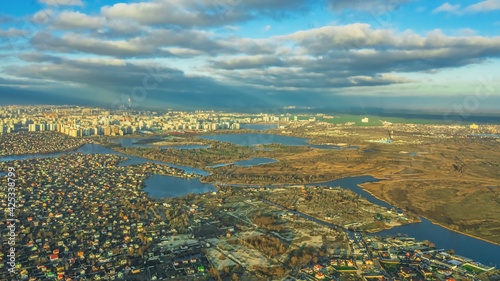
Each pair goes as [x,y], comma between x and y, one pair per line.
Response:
[129,106]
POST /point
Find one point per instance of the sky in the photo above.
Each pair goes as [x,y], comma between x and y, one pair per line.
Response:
[237,54]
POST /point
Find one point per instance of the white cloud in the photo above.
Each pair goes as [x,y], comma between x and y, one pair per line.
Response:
[484,6]
[62,2]
[201,12]
[466,32]
[12,32]
[448,8]
[182,52]
[75,20]
[182,13]
[103,61]
[42,16]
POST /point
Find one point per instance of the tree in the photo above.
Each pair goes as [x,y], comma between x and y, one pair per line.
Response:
[279,271]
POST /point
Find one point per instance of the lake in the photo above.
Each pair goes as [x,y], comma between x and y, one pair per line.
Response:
[262,127]
[251,139]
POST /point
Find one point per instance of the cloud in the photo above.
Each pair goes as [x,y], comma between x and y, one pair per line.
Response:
[156,42]
[111,51]
[448,8]
[112,79]
[353,55]
[42,16]
[13,32]
[77,43]
[5,19]
[39,57]
[106,72]
[76,20]
[467,32]
[257,61]
[370,6]
[181,13]
[484,6]
[204,13]
[62,2]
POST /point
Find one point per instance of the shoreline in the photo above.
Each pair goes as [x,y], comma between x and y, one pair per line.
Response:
[436,223]
[457,231]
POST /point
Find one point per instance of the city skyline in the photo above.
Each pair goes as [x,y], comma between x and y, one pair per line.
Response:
[398,54]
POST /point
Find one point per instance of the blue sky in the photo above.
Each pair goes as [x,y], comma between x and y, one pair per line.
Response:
[395,54]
